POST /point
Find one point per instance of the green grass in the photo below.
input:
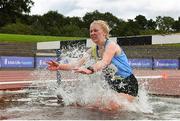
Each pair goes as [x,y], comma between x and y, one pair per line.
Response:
[172,45]
[33,38]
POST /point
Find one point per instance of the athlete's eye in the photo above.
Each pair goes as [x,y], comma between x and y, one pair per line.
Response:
[94,30]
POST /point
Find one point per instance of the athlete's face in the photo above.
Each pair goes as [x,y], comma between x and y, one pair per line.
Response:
[96,33]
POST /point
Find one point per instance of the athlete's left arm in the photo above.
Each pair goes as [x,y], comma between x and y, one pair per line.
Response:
[110,51]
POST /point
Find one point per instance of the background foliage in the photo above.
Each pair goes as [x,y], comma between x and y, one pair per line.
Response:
[15,18]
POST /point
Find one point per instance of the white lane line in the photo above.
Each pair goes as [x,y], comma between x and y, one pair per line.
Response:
[149,77]
[66,80]
[34,81]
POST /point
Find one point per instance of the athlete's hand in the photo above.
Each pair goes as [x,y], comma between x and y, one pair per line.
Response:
[53,66]
[82,70]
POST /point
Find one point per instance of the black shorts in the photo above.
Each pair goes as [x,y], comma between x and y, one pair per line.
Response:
[127,85]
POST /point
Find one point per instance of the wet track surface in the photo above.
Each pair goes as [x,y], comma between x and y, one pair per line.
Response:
[35,104]
[23,106]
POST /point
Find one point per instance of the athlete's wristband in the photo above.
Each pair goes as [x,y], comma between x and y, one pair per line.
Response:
[90,68]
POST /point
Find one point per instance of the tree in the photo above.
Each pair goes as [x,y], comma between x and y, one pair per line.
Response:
[35,21]
[164,24]
[77,26]
[176,25]
[141,21]
[73,30]
[89,17]
[151,25]
[53,22]
[129,28]
[10,10]
[16,28]
[112,20]
[120,29]
[75,21]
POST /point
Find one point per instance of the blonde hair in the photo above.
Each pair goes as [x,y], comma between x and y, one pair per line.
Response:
[104,25]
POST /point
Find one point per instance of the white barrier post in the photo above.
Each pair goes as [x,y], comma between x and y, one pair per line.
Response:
[58,55]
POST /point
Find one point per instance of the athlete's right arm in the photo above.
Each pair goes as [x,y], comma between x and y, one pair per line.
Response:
[54,66]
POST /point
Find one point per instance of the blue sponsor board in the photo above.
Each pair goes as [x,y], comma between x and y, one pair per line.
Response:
[41,62]
[0,62]
[141,63]
[166,63]
[17,62]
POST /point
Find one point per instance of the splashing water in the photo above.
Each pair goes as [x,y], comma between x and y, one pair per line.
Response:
[89,89]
